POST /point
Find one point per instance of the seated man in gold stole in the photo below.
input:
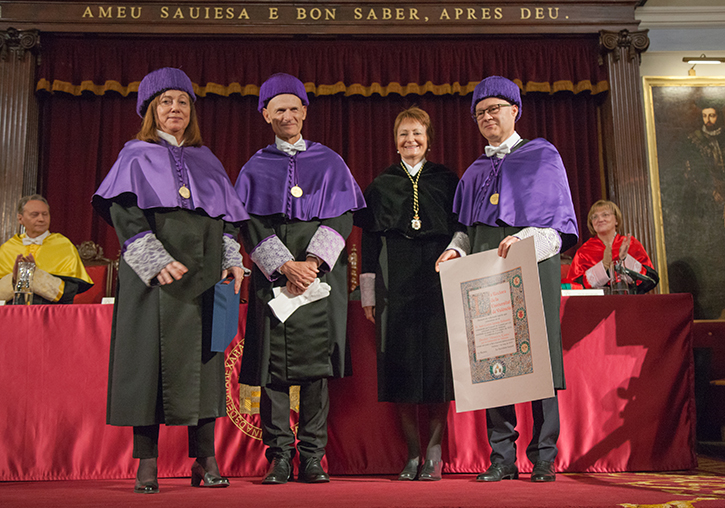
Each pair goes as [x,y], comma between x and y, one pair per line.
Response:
[59,273]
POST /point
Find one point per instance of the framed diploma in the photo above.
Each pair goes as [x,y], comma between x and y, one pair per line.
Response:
[496,328]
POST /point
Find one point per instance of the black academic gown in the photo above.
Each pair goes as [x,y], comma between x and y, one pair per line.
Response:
[311,344]
[413,357]
[161,368]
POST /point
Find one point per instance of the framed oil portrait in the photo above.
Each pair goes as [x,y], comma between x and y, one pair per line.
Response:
[686,148]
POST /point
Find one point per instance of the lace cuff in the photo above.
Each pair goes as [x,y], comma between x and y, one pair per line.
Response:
[48,286]
[326,244]
[146,256]
[597,276]
[460,243]
[547,241]
[367,289]
[232,256]
[6,287]
[269,255]
[632,264]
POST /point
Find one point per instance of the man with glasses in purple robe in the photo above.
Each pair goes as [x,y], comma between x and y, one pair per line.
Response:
[517,189]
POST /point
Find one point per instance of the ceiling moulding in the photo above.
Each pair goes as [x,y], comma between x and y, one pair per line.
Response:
[680,17]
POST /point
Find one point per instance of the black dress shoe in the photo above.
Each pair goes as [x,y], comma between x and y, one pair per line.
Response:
[543,471]
[146,487]
[431,470]
[146,477]
[497,472]
[199,475]
[312,472]
[280,471]
[410,471]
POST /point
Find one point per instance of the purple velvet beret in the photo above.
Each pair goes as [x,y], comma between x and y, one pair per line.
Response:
[497,86]
[159,81]
[278,84]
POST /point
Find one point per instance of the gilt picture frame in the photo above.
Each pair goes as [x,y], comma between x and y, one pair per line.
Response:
[685,124]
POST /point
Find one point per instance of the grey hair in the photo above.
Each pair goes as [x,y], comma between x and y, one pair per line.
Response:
[33,197]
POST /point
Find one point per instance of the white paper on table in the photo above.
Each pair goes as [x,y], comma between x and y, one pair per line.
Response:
[583,292]
[496,328]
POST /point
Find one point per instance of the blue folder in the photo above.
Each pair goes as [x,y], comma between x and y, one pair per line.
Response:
[225,319]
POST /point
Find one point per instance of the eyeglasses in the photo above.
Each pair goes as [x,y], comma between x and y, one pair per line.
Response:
[491,110]
[601,215]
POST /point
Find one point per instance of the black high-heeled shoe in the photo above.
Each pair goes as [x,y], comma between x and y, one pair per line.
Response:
[431,470]
[410,471]
[199,475]
[146,477]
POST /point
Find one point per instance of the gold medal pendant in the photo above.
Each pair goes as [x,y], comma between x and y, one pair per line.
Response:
[494,198]
[415,223]
[296,191]
[185,192]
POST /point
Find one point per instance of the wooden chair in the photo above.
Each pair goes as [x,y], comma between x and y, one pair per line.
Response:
[100,269]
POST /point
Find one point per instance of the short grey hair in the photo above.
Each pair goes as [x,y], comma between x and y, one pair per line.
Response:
[33,197]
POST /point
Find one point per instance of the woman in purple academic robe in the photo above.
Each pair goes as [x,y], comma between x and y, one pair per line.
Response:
[176,215]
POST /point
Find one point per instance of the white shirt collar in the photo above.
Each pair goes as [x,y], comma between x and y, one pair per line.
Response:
[413,170]
[168,138]
[38,240]
[716,132]
[290,148]
[504,148]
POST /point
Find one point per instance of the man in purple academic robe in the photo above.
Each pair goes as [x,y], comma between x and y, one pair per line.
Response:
[300,196]
[517,189]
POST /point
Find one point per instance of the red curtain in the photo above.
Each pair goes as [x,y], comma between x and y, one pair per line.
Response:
[82,132]
[225,66]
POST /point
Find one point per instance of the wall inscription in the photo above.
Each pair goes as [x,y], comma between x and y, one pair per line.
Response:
[321,14]
[230,17]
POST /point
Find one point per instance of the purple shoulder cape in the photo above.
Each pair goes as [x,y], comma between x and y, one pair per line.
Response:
[147,170]
[533,192]
[328,187]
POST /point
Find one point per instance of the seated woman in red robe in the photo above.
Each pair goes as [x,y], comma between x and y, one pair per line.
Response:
[591,265]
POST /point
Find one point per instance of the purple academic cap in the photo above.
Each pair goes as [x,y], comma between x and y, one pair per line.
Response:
[278,84]
[497,86]
[158,81]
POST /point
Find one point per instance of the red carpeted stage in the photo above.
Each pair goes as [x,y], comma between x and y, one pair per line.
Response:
[701,488]
[629,405]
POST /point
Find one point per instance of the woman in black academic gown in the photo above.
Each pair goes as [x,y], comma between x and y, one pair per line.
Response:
[406,224]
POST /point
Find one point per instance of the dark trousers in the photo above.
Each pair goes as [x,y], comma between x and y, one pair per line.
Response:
[201,440]
[502,434]
[312,430]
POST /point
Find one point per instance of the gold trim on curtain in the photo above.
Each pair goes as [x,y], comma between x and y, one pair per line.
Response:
[321,90]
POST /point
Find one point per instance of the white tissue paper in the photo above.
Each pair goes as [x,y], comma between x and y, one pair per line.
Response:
[284,304]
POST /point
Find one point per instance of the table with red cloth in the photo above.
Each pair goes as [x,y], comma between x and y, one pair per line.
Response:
[628,406]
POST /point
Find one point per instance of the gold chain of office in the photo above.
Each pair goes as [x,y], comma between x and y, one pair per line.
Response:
[415,221]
